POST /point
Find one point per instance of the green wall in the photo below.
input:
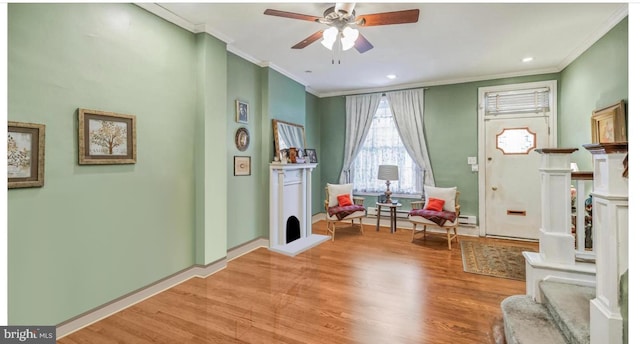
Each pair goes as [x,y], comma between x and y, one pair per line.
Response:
[95,233]
[596,79]
[451,129]
[313,134]
[210,164]
[246,215]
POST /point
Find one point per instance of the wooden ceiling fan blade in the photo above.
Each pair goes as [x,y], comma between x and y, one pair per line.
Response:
[389,18]
[291,15]
[362,44]
[305,42]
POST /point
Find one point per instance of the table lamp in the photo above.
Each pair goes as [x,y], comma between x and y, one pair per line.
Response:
[388,173]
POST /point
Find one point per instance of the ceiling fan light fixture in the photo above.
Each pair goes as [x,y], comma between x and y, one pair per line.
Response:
[349,36]
[329,37]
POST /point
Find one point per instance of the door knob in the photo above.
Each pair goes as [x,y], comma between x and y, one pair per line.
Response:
[494,188]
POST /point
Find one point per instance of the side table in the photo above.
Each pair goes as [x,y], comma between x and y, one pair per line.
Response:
[392,210]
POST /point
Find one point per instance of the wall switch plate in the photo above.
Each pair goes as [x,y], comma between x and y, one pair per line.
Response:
[474,168]
[472,160]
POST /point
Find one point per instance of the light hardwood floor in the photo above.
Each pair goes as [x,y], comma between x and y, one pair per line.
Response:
[371,288]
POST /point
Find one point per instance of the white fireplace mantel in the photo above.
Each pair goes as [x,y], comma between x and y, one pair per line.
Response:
[290,197]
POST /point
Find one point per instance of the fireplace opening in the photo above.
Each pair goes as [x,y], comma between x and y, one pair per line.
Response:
[293,229]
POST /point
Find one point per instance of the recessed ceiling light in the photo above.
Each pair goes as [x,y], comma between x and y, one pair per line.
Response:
[527,59]
[391,76]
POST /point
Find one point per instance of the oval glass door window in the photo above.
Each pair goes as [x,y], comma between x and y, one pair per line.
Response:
[516,141]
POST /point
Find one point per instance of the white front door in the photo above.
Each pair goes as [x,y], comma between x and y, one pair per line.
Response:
[512,179]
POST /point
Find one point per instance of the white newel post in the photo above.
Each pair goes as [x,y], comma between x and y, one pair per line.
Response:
[556,259]
[610,214]
[556,241]
[290,198]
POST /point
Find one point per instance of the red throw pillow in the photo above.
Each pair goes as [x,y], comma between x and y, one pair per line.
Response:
[344,200]
[435,204]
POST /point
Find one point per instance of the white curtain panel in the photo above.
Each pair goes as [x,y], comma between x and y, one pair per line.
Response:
[360,112]
[408,110]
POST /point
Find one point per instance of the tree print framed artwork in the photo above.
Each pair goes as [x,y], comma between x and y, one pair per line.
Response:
[106,138]
[25,155]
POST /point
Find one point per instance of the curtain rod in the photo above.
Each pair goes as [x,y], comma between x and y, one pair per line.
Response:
[384,93]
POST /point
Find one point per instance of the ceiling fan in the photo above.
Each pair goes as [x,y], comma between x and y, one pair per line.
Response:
[340,19]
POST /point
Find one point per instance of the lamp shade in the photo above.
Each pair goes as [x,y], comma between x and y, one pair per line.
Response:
[349,36]
[329,37]
[388,172]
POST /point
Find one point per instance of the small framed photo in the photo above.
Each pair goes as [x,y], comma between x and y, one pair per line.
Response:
[242,111]
[106,138]
[311,154]
[608,124]
[241,165]
[25,155]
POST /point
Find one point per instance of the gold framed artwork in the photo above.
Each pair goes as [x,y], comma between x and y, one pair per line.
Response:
[242,139]
[25,155]
[609,124]
[106,138]
[242,111]
[241,165]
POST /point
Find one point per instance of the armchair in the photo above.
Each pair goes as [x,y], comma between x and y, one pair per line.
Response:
[434,214]
[341,205]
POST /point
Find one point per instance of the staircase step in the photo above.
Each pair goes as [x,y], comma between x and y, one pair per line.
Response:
[569,304]
[526,321]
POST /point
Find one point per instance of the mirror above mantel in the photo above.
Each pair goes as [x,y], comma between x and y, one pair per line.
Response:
[288,135]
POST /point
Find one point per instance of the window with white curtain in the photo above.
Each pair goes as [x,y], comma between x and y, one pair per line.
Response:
[383,146]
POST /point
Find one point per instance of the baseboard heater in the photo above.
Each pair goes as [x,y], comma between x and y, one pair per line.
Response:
[464,220]
[467,220]
[400,213]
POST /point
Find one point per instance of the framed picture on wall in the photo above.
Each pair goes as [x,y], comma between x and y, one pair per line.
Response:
[25,155]
[242,111]
[608,124]
[241,165]
[106,138]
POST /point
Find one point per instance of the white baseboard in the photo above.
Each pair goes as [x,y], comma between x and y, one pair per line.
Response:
[110,308]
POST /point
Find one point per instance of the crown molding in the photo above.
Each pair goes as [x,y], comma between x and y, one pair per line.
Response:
[167,15]
[438,83]
[612,21]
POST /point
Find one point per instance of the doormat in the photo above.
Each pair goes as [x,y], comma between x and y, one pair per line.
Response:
[494,260]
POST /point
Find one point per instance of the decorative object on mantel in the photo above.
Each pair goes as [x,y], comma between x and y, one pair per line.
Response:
[25,155]
[311,155]
[288,135]
[106,138]
[241,165]
[388,173]
[242,111]
[242,139]
[293,154]
[608,124]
